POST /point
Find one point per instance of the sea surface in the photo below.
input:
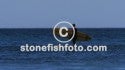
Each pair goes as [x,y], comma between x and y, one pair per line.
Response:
[11,58]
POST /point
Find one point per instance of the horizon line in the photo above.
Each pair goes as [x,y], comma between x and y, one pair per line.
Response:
[51,27]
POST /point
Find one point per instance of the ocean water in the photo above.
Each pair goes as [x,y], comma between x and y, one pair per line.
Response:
[11,58]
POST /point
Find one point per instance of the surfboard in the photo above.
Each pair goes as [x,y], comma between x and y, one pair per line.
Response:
[80,35]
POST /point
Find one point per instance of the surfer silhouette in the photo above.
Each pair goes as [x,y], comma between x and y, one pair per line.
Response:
[75,36]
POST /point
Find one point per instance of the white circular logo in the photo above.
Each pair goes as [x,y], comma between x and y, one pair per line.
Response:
[63,27]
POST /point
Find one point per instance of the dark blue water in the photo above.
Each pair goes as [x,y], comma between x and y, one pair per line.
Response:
[11,58]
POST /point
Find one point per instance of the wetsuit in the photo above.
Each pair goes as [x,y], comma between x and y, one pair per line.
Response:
[75,37]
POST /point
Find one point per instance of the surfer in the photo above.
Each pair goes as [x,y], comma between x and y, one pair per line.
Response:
[75,36]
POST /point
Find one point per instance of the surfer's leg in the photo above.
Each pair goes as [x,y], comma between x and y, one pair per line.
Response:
[75,37]
[74,41]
